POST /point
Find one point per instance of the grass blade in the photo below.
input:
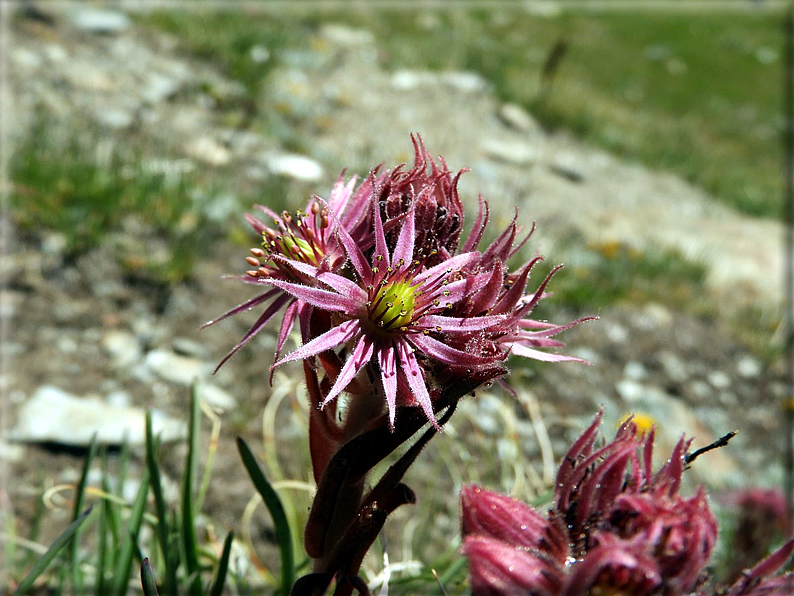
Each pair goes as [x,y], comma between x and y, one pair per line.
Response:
[51,553]
[188,512]
[79,502]
[102,536]
[223,567]
[273,504]
[148,582]
[162,512]
[124,565]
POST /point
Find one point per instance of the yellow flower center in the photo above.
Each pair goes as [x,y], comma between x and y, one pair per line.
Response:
[393,306]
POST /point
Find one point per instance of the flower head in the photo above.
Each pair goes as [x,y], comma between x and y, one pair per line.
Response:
[393,310]
[615,528]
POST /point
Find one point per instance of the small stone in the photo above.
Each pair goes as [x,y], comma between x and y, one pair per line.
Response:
[209,151]
[514,152]
[122,346]
[216,397]
[468,82]
[182,370]
[52,415]
[347,36]
[259,54]
[673,366]
[54,243]
[514,116]
[701,389]
[634,370]
[630,391]
[116,119]
[25,58]
[188,347]
[294,166]
[719,380]
[748,367]
[159,87]
[100,21]
[11,453]
[616,333]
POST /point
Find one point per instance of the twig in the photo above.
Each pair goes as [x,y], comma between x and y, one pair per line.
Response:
[721,442]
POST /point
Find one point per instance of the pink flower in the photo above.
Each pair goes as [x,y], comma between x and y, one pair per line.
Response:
[393,310]
[616,527]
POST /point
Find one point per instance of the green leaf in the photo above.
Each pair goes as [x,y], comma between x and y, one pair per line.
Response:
[51,553]
[223,567]
[273,504]
[79,502]
[160,505]
[188,513]
[124,565]
[148,582]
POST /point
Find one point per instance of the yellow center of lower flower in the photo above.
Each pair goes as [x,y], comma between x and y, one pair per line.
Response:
[393,306]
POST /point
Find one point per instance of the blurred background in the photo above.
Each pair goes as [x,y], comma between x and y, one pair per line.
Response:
[644,144]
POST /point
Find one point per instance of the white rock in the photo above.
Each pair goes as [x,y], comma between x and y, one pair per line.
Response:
[10,452]
[100,21]
[719,380]
[25,58]
[748,367]
[122,346]
[114,118]
[347,36]
[630,391]
[182,370]
[512,151]
[294,166]
[216,397]
[517,117]
[159,87]
[634,370]
[209,151]
[53,415]
[259,54]
[468,82]
[674,367]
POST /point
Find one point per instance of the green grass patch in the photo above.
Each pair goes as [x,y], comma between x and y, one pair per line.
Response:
[154,225]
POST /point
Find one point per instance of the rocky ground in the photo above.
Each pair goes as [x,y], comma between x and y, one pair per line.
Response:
[91,347]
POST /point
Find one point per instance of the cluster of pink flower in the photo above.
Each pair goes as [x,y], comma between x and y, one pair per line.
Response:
[399,315]
[404,319]
[615,528]
[384,265]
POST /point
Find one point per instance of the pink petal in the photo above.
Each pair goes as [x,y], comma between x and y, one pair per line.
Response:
[441,351]
[354,363]
[272,214]
[455,263]
[458,290]
[526,352]
[247,305]
[363,269]
[387,358]
[381,250]
[552,331]
[478,228]
[330,339]
[405,242]
[259,226]
[263,320]
[318,297]
[458,323]
[416,381]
